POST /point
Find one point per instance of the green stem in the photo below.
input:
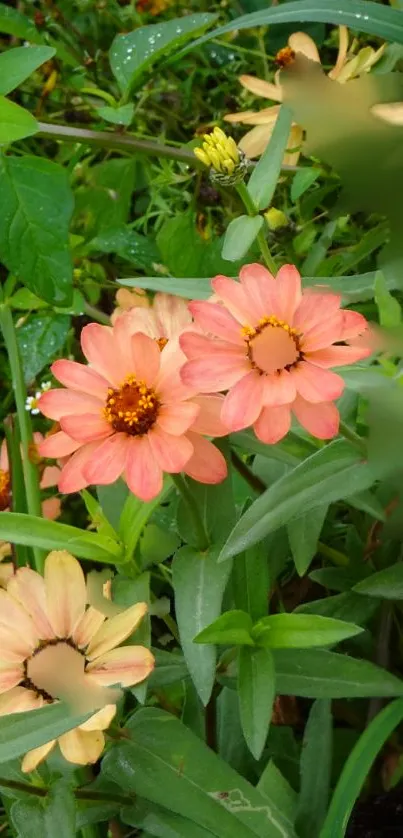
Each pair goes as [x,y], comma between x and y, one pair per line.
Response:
[194,510]
[261,238]
[31,477]
[79,794]
[353,437]
[97,315]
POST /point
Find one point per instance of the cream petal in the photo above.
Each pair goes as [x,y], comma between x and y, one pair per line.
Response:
[87,627]
[303,43]
[100,720]
[392,112]
[36,756]
[10,677]
[125,666]
[4,465]
[262,88]
[342,53]
[66,593]
[116,630]
[18,700]
[28,588]
[267,116]
[255,141]
[13,616]
[82,747]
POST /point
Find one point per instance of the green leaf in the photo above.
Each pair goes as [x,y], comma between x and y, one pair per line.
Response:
[103,204]
[386,584]
[169,765]
[347,606]
[321,478]
[13,22]
[15,122]
[231,628]
[340,578]
[257,690]
[273,785]
[135,515]
[301,631]
[40,338]
[48,817]
[117,116]
[157,545]
[251,583]
[155,820]
[18,63]
[170,668]
[50,535]
[189,287]
[240,235]
[303,535]
[21,732]
[263,181]
[139,250]
[199,583]
[357,768]
[390,313]
[25,300]
[131,55]
[316,764]
[318,673]
[301,182]
[112,498]
[36,204]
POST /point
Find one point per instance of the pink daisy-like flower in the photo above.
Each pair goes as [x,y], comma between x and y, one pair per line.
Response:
[54,646]
[271,346]
[126,413]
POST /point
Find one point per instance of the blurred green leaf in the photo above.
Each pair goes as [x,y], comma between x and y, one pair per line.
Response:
[257,690]
[21,732]
[315,768]
[15,122]
[231,628]
[18,63]
[302,180]
[318,673]
[46,817]
[40,339]
[117,116]
[135,248]
[390,313]
[385,584]
[303,535]
[282,631]
[251,582]
[13,22]
[135,514]
[50,535]
[240,235]
[263,180]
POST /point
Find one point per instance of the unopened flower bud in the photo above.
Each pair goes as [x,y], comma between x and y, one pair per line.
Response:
[276,219]
[227,163]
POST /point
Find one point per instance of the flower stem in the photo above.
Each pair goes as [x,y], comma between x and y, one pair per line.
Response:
[79,794]
[190,501]
[97,315]
[261,238]
[31,477]
[353,437]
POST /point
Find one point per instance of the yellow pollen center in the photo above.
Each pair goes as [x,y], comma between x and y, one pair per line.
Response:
[133,408]
[4,490]
[273,345]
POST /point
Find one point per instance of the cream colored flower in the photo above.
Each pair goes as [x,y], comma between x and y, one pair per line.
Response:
[255,141]
[127,299]
[56,647]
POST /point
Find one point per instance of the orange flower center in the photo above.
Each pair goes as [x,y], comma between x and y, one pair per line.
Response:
[272,345]
[285,57]
[161,342]
[133,408]
[4,490]
[54,665]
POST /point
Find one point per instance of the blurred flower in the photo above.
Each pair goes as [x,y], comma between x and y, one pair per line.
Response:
[299,43]
[55,647]
[126,413]
[276,219]
[165,319]
[221,155]
[127,299]
[272,349]
[31,403]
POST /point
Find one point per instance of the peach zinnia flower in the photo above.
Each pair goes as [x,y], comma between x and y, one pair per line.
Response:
[164,320]
[53,646]
[272,349]
[127,413]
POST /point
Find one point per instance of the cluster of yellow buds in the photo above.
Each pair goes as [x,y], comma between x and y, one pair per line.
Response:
[227,163]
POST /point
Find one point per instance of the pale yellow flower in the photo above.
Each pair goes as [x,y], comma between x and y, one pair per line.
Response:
[255,141]
[127,299]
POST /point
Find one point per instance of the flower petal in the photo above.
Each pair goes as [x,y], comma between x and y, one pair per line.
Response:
[353,324]
[100,720]
[10,676]
[273,424]
[116,630]
[4,464]
[101,351]
[214,373]
[82,747]
[289,291]
[243,403]
[254,143]
[125,666]
[110,461]
[172,313]
[146,358]
[337,356]
[80,377]
[50,477]
[207,464]
[279,389]
[57,403]
[72,477]
[234,298]
[18,700]
[66,593]
[51,508]
[320,420]
[170,452]
[196,345]
[14,618]
[28,588]
[315,309]
[304,44]
[32,759]
[58,445]
[215,319]
[262,88]
[261,290]
[86,428]
[209,420]
[177,418]
[316,384]
[143,474]
[87,627]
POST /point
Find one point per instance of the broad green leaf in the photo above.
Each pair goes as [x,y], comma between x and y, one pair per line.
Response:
[199,583]
[21,732]
[240,235]
[357,768]
[231,628]
[321,479]
[340,578]
[50,535]
[127,592]
[167,764]
[318,673]
[231,744]
[303,535]
[117,116]
[291,450]
[18,63]
[36,204]
[103,204]
[46,817]
[129,245]
[13,22]
[386,584]
[263,180]
[302,180]
[40,338]
[251,582]
[25,300]
[157,545]
[346,606]
[300,631]
[390,313]
[159,822]
[170,668]
[131,55]
[135,515]
[15,122]
[273,785]
[256,690]
[112,498]
[315,768]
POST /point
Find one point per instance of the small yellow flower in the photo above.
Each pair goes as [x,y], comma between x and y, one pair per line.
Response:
[221,155]
[276,219]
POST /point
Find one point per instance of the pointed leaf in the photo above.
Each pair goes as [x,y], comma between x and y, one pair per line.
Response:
[256,689]
[18,63]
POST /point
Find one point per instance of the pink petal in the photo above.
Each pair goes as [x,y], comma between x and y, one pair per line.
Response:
[315,308]
[234,298]
[50,477]
[72,477]
[169,384]
[14,647]
[172,313]
[110,461]
[65,590]
[14,617]
[177,418]
[214,373]
[87,427]
[289,291]
[170,452]
[196,345]
[279,388]
[146,358]
[316,384]
[28,588]
[320,420]
[337,356]
[87,627]
[51,508]
[101,351]
[57,403]
[323,334]
[80,377]
[207,464]
[143,474]
[58,445]
[260,289]
[209,420]
[353,324]
[215,319]
[243,403]
[4,465]
[125,666]
[273,424]
[10,677]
